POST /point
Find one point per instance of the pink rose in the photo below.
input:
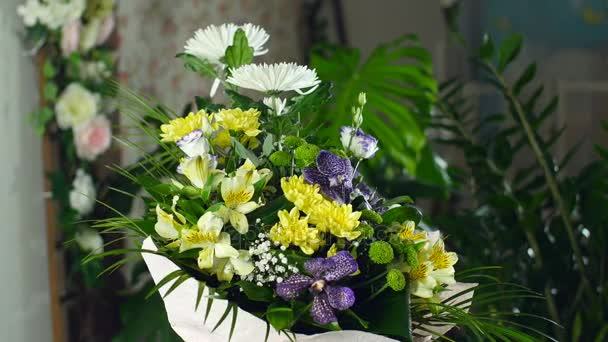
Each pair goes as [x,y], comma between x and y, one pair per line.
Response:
[105,29]
[70,37]
[93,137]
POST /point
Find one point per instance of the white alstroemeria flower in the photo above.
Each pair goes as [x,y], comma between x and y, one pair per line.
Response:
[422,281]
[227,267]
[275,78]
[276,104]
[361,145]
[76,105]
[200,170]
[83,193]
[89,240]
[237,193]
[168,225]
[209,237]
[194,144]
[89,33]
[211,42]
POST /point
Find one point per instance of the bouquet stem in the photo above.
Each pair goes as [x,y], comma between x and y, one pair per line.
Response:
[408,316]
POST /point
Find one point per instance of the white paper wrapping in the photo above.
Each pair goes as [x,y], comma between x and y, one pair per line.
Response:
[189,323]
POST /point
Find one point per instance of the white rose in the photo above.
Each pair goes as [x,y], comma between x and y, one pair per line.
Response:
[83,193]
[76,105]
[89,240]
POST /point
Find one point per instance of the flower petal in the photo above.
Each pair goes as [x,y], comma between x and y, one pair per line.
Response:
[340,297]
[242,264]
[223,248]
[316,266]
[343,265]
[205,258]
[248,207]
[239,221]
[321,312]
[293,286]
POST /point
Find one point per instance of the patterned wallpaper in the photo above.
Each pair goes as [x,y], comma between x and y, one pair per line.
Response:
[151,32]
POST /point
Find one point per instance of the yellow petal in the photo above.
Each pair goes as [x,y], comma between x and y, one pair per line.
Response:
[205,258]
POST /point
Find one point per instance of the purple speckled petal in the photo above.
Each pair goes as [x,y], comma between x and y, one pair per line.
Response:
[317,266]
[293,286]
[340,297]
[321,312]
[344,264]
[330,164]
[313,176]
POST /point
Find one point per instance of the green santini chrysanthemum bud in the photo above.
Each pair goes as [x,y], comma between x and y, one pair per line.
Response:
[306,154]
[395,280]
[293,141]
[381,252]
[371,216]
[280,158]
[366,230]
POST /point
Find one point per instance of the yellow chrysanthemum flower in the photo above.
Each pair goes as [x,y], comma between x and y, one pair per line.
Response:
[246,121]
[222,139]
[177,128]
[303,195]
[408,232]
[336,219]
[293,230]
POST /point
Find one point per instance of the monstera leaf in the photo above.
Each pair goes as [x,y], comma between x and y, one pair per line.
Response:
[397,78]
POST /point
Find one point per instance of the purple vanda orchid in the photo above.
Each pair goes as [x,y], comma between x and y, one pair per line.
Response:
[327,297]
[361,145]
[333,174]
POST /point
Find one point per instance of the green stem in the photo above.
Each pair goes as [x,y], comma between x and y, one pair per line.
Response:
[550,178]
[408,316]
[365,283]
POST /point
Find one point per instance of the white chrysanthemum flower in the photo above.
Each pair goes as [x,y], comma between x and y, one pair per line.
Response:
[275,78]
[83,193]
[211,42]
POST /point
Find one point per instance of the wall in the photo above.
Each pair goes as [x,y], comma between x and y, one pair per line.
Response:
[24,297]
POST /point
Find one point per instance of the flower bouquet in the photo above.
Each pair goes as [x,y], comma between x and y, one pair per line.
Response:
[258,229]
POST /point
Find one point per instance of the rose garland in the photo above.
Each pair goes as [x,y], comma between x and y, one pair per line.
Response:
[71,41]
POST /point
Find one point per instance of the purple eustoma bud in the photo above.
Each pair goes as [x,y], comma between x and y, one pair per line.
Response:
[361,145]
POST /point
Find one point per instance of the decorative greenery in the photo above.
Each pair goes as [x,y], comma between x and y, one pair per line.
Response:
[401,91]
[545,228]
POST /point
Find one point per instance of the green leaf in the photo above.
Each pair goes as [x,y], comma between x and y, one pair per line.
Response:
[41,118]
[402,214]
[524,79]
[165,280]
[280,317]
[398,200]
[256,293]
[306,104]
[199,294]
[244,152]
[268,145]
[509,50]
[48,70]
[229,307]
[177,283]
[577,327]
[239,53]
[486,51]
[209,303]
[202,67]
[49,92]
